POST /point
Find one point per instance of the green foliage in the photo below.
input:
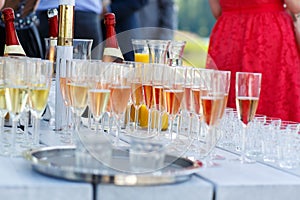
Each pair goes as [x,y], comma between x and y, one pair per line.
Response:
[195,16]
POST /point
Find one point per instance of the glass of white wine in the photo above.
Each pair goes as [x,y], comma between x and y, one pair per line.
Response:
[247,89]
[3,110]
[39,87]
[98,93]
[16,80]
[78,74]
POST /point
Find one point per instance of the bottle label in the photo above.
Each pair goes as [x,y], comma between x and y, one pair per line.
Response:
[113,52]
[13,49]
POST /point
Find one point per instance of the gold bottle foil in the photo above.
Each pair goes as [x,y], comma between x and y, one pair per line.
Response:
[65,30]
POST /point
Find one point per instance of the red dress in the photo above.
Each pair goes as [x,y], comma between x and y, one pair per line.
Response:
[257,36]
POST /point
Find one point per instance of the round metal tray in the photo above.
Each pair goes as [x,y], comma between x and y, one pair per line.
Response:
[61,162]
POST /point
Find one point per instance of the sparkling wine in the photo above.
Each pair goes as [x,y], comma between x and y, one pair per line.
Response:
[38,99]
[246,108]
[225,99]
[196,101]
[12,45]
[148,95]
[158,97]
[112,52]
[187,98]
[65,90]
[98,100]
[211,109]
[137,93]
[119,96]
[16,98]
[173,100]
[3,108]
[78,94]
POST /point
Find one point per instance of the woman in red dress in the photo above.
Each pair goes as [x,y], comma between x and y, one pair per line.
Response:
[258,36]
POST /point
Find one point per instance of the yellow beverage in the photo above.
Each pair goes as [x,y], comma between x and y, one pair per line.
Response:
[38,99]
[143,118]
[141,57]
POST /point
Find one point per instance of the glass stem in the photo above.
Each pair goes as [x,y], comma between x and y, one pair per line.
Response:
[12,151]
[243,145]
[136,118]
[36,134]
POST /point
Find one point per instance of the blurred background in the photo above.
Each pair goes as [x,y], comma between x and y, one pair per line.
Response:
[194,24]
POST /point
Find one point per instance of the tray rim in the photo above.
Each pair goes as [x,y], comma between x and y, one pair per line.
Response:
[120,179]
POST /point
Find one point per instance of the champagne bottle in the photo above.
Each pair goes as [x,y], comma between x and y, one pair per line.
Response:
[12,45]
[53,33]
[112,52]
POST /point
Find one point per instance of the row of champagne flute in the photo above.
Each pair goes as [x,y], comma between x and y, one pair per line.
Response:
[163,89]
[25,84]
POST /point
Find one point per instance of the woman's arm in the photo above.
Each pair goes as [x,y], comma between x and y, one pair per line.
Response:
[215,8]
[293,6]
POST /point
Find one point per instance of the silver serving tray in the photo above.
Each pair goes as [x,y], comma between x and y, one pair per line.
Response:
[60,162]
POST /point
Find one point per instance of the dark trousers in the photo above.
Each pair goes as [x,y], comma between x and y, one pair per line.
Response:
[86,26]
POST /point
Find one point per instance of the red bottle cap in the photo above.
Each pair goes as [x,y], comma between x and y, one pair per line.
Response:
[8,14]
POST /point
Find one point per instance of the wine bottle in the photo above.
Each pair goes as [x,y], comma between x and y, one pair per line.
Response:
[12,44]
[112,52]
[53,33]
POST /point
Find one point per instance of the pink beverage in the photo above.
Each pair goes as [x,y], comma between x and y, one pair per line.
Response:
[158,97]
[137,93]
[196,100]
[211,109]
[173,99]
[148,95]
[64,90]
[246,108]
[225,99]
[187,98]
[98,100]
[119,96]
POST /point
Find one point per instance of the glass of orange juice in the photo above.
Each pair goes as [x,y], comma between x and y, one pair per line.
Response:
[141,50]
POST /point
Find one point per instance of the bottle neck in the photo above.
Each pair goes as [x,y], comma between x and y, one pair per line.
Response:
[53,27]
[111,39]
[10,33]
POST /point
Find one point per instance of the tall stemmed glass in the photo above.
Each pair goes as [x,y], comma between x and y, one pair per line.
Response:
[3,109]
[78,75]
[247,96]
[158,88]
[17,78]
[120,90]
[98,93]
[211,98]
[148,92]
[173,83]
[39,87]
[137,91]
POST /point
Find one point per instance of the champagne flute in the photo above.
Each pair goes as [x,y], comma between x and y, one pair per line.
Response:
[137,91]
[247,90]
[148,92]
[120,89]
[173,83]
[78,72]
[211,97]
[98,93]
[158,98]
[17,78]
[64,84]
[39,87]
[3,109]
